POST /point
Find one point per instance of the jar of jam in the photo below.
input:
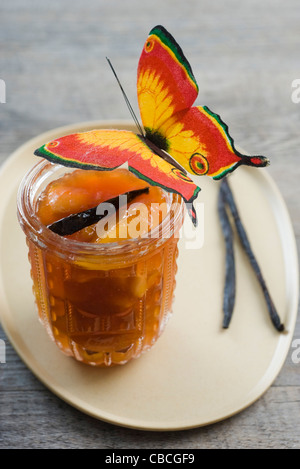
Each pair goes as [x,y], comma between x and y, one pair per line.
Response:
[103,298]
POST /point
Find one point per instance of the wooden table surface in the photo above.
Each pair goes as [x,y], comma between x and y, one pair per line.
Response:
[245,55]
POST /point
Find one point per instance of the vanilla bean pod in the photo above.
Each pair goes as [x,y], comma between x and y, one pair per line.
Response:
[230,280]
[228,197]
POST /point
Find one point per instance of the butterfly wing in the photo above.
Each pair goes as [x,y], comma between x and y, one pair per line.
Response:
[109,149]
[165,84]
[156,171]
[200,141]
[98,149]
[195,137]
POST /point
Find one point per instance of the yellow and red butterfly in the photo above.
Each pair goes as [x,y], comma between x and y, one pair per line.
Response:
[195,138]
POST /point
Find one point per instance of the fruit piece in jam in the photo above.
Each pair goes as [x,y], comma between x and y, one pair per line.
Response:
[81,190]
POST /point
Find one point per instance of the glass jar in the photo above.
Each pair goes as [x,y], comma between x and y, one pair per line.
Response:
[102,304]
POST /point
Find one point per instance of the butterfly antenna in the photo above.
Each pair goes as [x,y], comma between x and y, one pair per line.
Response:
[126,99]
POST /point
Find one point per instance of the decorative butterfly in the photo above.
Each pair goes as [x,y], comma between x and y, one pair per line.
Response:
[177,137]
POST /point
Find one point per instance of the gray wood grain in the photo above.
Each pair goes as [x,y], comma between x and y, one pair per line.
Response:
[245,56]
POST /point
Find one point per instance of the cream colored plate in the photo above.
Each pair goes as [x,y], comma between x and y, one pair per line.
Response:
[197,373]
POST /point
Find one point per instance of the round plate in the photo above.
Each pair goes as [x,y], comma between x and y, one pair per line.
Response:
[197,373]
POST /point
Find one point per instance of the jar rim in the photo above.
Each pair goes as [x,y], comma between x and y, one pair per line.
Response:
[45,238]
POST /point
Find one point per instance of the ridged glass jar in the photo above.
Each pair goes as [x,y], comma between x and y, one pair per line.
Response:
[102,304]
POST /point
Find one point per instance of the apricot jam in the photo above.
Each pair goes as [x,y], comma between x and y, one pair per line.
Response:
[103,298]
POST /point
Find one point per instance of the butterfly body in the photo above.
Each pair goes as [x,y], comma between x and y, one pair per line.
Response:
[179,138]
